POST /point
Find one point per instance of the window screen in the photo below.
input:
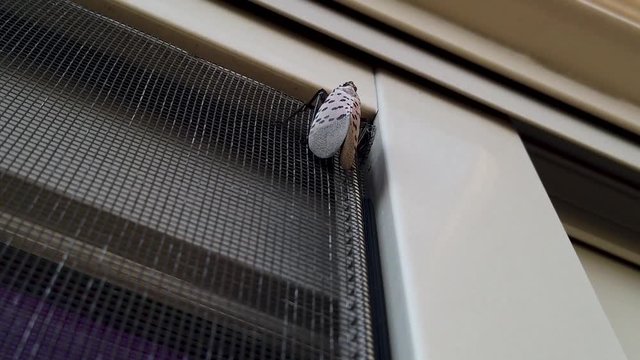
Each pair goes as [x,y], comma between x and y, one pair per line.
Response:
[155,205]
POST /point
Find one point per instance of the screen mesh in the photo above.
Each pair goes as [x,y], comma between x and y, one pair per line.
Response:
[155,205]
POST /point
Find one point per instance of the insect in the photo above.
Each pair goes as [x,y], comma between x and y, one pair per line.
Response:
[336,126]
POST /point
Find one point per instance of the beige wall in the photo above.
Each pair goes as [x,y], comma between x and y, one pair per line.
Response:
[581,41]
[582,53]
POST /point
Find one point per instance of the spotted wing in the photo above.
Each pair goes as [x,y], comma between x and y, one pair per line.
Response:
[331,124]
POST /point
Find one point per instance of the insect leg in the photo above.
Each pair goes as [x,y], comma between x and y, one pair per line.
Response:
[315,102]
[365,140]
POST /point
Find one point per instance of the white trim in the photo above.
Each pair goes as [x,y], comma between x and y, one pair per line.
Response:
[618,287]
[475,262]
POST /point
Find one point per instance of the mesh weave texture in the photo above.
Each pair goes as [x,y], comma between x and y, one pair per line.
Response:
[155,205]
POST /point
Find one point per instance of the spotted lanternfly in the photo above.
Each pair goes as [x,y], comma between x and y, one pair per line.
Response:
[336,126]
